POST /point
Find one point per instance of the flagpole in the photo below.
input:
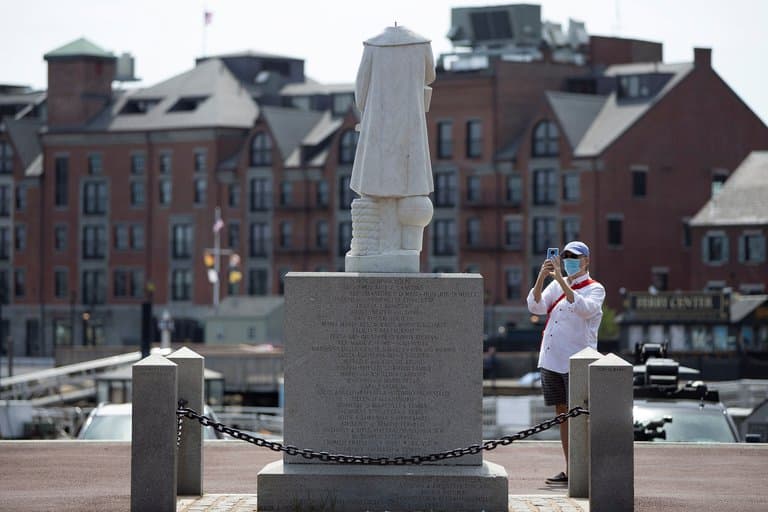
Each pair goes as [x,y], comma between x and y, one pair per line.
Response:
[217,258]
[205,29]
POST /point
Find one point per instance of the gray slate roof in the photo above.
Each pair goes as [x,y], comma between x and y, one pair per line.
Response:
[310,88]
[24,134]
[615,117]
[743,200]
[79,47]
[226,104]
[325,127]
[575,112]
[289,126]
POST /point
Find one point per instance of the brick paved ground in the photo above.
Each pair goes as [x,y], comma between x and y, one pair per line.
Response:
[95,476]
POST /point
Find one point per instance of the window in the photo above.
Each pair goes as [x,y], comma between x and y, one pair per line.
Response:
[60,283]
[61,186]
[181,241]
[95,164]
[286,233]
[121,239]
[615,231]
[323,193]
[260,239]
[719,178]
[127,283]
[286,193]
[19,283]
[715,248]
[233,235]
[571,229]
[233,195]
[660,278]
[513,278]
[513,234]
[21,197]
[473,189]
[634,86]
[20,237]
[514,189]
[94,242]
[639,177]
[257,281]
[165,191]
[345,193]
[200,161]
[544,234]
[138,164]
[166,163]
[201,186]
[342,103]
[544,186]
[137,237]
[181,284]
[137,193]
[348,146]
[93,287]
[545,139]
[444,139]
[5,200]
[474,139]
[260,194]
[752,248]
[4,294]
[261,150]
[444,241]
[345,237]
[5,243]
[60,237]
[473,232]
[445,189]
[321,234]
[6,158]
[95,198]
[571,186]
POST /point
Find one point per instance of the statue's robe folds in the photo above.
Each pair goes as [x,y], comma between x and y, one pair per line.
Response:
[392,158]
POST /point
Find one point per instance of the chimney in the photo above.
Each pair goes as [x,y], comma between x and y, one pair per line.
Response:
[80,76]
[702,57]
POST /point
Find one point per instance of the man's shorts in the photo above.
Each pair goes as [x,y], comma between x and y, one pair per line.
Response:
[555,387]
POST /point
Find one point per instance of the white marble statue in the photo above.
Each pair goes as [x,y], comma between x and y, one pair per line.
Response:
[392,172]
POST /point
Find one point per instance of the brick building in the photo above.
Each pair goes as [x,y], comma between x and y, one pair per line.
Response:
[538,135]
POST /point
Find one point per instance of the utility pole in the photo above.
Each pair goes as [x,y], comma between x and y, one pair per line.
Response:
[212,260]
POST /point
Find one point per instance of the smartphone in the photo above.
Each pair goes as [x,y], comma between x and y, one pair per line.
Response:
[553,252]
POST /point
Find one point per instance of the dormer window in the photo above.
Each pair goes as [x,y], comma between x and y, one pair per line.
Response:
[139,105]
[261,150]
[545,139]
[637,87]
[187,104]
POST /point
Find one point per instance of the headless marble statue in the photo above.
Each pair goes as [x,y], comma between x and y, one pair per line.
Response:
[392,172]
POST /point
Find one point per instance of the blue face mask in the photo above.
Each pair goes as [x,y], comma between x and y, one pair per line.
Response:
[572,266]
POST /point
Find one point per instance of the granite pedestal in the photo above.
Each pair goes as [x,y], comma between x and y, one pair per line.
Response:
[384,365]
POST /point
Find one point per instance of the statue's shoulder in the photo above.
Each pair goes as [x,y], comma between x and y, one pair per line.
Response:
[397,36]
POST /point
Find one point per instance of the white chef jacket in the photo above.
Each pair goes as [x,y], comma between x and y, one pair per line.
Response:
[570,327]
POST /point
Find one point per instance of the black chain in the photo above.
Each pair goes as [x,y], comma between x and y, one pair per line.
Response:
[184,412]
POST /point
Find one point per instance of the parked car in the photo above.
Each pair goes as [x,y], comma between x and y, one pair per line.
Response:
[112,422]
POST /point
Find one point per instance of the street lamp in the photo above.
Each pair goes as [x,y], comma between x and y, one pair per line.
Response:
[166,327]
[212,261]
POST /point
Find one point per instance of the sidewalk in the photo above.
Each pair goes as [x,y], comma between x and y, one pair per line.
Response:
[95,476]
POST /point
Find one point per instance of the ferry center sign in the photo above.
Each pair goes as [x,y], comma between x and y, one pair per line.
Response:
[677,307]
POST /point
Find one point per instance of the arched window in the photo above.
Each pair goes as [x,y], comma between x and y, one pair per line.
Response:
[261,150]
[348,146]
[545,139]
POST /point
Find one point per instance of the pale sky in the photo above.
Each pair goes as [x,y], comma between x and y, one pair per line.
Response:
[165,36]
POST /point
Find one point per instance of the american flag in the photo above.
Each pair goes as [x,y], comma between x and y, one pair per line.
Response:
[218,225]
[207,17]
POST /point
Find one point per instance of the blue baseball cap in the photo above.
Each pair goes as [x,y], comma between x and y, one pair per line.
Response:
[577,247]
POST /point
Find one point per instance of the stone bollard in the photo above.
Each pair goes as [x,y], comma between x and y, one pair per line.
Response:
[153,431]
[190,454]
[611,436]
[578,427]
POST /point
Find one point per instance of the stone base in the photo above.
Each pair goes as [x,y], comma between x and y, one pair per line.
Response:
[336,487]
[399,261]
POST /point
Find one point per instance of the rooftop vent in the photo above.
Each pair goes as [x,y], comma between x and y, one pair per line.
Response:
[139,105]
[187,104]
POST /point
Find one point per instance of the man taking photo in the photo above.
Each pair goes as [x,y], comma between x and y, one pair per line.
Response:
[574,308]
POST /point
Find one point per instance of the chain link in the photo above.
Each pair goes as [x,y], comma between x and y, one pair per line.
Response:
[184,412]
